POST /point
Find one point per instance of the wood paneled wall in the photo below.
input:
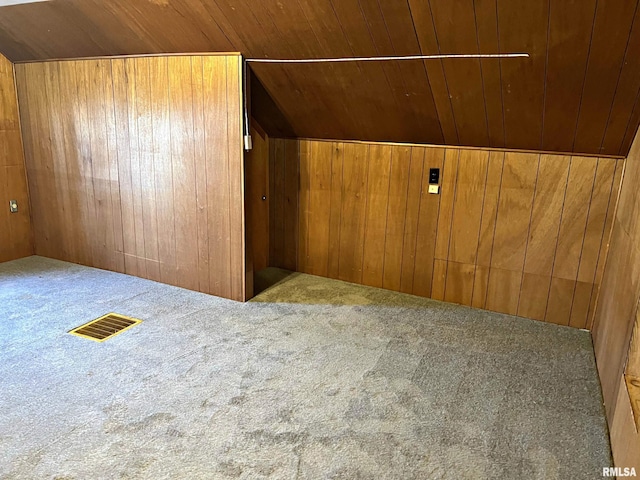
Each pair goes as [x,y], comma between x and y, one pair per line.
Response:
[136,165]
[284,166]
[15,228]
[519,233]
[616,313]
[257,204]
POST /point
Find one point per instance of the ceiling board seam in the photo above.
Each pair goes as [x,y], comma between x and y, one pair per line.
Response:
[424,67]
[219,26]
[353,119]
[584,76]
[484,93]
[629,123]
[615,92]
[504,129]
[546,71]
[444,72]
[396,65]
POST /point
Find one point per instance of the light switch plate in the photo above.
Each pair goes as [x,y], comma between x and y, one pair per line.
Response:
[434,189]
[13,206]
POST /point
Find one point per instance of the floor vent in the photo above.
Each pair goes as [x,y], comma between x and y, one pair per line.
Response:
[106,327]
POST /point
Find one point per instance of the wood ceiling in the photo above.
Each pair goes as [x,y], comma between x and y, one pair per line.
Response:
[578,92]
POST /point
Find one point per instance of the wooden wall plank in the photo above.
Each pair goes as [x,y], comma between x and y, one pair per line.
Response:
[547,211]
[560,301]
[352,226]
[277,204]
[146,139]
[291,187]
[202,173]
[335,212]
[468,205]
[595,228]
[130,73]
[534,295]
[319,206]
[184,195]
[304,206]
[163,169]
[490,208]
[574,217]
[480,286]
[379,174]
[398,188]
[514,210]
[412,217]
[503,291]
[128,138]
[427,226]
[459,283]
[447,197]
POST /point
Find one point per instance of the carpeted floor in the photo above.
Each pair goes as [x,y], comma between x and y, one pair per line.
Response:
[314,379]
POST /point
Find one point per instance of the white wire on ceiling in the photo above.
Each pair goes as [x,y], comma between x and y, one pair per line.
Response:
[391,58]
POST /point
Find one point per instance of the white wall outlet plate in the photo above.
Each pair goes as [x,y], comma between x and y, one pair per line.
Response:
[434,189]
[13,206]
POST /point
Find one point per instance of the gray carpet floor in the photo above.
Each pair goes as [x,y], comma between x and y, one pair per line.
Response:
[314,379]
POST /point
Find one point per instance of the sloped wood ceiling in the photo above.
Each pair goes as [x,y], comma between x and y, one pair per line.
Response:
[578,91]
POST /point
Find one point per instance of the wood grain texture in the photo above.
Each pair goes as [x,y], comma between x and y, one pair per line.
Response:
[577,92]
[144,165]
[15,228]
[489,240]
[616,311]
[257,199]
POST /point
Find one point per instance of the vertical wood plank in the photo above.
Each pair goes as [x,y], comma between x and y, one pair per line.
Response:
[130,70]
[183,248]
[439,281]
[335,214]
[480,285]
[146,139]
[320,195]
[503,291]
[217,148]
[427,226]
[412,215]
[114,175]
[162,148]
[447,197]
[291,187]
[354,192]
[202,173]
[514,211]
[574,217]
[379,175]
[490,208]
[534,295]
[560,301]
[467,206]
[304,206]
[547,211]
[594,231]
[459,283]
[396,215]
